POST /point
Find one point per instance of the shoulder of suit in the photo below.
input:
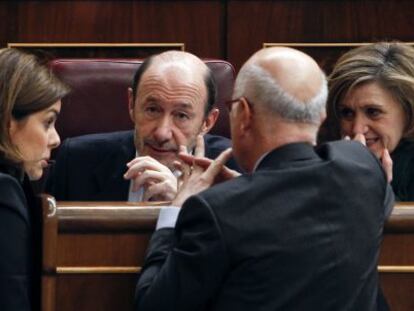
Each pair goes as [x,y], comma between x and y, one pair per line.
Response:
[345,149]
[9,182]
[228,190]
[13,196]
[215,144]
[101,140]
[216,140]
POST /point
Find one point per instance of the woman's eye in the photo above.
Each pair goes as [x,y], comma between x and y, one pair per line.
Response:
[49,122]
[346,113]
[373,112]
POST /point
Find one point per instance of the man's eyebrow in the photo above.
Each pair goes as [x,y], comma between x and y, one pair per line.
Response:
[185,106]
[151,98]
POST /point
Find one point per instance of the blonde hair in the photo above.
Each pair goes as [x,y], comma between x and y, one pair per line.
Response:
[26,87]
[390,64]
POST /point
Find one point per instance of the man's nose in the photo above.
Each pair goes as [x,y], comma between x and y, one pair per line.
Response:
[163,131]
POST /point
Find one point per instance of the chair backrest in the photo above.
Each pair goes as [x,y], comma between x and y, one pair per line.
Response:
[99,103]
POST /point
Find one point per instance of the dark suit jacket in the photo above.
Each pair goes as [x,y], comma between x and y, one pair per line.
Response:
[301,233]
[403,171]
[91,167]
[19,243]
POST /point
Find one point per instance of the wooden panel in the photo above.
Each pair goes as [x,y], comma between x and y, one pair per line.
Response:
[108,250]
[325,54]
[100,248]
[230,29]
[404,243]
[95,292]
[198,24]
[4,19]
[398,288]
[396,263]
[251,23]
[8,13]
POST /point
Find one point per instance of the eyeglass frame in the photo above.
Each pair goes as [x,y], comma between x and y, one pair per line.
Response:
[229,103]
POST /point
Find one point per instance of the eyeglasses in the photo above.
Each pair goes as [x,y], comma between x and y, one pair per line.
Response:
[229,103]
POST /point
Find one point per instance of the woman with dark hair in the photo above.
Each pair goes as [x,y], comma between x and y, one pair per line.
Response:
[29,105]
[371,92]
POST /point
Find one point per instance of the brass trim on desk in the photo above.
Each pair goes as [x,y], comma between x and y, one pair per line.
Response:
[98,270]
[322,45]
[134,270]
[88,45]
[396,269]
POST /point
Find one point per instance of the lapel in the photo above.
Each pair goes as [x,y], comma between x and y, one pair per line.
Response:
[108,174]
[287,156]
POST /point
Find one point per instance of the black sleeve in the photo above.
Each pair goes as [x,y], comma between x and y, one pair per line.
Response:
[389,201]
[184,267]
[15,246]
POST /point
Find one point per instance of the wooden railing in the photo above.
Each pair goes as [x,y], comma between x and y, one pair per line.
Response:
[93,251]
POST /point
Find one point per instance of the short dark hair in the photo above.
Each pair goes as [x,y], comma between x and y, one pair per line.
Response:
[209,81]
[211,90]
[138,74]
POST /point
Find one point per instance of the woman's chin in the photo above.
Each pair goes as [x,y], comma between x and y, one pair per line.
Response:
[34,174]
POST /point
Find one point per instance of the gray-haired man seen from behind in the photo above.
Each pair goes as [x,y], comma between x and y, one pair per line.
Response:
[300,231]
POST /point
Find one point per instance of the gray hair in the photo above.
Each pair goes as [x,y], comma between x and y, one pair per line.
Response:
[258,86]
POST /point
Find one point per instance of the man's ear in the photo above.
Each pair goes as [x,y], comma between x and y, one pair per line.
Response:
[245,115]
[131,104]
[209,121]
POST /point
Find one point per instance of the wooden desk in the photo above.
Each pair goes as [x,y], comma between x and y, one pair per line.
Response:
[93,251]
[396,263]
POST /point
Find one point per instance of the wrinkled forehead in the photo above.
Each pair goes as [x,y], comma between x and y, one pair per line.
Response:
[176,79]
[359,89]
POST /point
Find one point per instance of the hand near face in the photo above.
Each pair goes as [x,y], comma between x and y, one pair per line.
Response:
[385,157]
[386,162]
[373,111]
[159,182]
[202,173]
[223,175]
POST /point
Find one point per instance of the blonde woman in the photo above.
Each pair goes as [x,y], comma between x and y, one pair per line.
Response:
[371,92]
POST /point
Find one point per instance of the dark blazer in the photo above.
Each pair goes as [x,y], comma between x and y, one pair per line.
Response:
[301,233]
[91,167]
[19,243]
[403,171]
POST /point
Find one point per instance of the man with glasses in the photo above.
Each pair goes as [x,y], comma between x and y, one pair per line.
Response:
[300,231]
[171,102]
